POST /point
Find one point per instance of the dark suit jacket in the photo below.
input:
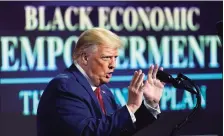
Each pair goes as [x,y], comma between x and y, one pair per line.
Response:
[69,107]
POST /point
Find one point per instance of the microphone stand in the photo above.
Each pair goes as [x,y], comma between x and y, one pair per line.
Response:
[182,79]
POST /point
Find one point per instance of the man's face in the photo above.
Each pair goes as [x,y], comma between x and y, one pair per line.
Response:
[101,64]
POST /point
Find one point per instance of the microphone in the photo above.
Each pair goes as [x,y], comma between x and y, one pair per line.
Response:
[164,77]
[176,82]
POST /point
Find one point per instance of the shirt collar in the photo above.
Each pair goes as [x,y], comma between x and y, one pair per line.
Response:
[85,75]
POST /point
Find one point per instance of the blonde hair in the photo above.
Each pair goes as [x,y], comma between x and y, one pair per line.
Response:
[91,38]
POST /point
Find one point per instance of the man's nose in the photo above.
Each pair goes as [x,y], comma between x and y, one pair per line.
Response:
[112,64]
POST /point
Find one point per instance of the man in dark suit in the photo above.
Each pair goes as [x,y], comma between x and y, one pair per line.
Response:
[77,101]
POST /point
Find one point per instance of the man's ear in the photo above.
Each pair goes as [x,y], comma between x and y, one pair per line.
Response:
[84,58]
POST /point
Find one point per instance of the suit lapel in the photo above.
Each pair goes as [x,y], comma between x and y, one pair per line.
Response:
[83,81]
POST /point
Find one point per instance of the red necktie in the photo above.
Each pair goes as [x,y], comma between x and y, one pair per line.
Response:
[100,99]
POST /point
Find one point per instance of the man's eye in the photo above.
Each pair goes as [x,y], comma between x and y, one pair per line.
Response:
[106,58]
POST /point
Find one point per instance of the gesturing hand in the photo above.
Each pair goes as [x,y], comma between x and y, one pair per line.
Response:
[153,88]
[135,92]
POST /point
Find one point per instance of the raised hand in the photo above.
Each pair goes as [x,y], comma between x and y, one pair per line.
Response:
[135,93]
[153,87]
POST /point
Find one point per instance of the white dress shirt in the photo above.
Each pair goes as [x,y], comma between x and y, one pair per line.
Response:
[154,111]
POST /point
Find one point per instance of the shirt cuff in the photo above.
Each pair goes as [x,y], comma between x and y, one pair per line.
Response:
[132,115]
[154,111]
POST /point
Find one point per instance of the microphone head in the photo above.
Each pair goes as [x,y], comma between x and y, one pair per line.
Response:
[164,77]
[180,84]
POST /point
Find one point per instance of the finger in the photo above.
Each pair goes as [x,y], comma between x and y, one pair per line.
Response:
[135,78]
[155,71]
[161,68]
[159,83]
[163,83]
[140,81]
[150,71]
[145,84]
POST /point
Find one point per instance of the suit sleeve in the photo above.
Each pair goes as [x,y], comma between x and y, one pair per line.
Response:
[77,119]
[143,117]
